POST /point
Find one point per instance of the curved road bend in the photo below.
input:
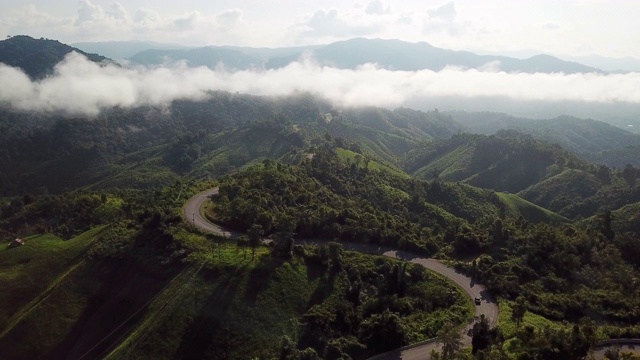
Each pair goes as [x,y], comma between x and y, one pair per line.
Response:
[488,307]
[193,215]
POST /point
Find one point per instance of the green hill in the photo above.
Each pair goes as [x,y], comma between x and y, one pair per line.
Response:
[516,205]
[578,193]
[37,58]
[143,147]
[29,272]
[592,140]
[220,304]
[507,161]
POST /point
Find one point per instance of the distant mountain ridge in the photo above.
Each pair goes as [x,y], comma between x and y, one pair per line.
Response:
[120,50]
[37,57]
[401,55]
[349,54]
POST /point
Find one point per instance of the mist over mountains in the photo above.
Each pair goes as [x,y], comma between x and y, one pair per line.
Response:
[358,72]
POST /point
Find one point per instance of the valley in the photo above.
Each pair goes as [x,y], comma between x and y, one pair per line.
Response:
[232,225]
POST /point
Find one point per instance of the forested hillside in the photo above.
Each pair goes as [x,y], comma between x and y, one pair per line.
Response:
[37,58]
[592,140]
[144,147]
[507,161]
[562,272]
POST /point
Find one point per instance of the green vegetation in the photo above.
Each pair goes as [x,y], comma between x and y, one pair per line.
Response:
[599,142]
[509,327]
[554,237]
[508,161]
[29,272]
[516,205]
[320,301]
[193,293]
[351,157]
[37,57]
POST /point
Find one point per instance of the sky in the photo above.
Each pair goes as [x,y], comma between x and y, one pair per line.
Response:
[572,27]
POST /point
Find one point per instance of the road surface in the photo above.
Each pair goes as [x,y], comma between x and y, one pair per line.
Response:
[488,306]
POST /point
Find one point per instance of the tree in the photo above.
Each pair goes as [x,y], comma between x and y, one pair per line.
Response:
[243,242]
[451,339]
[606,227]
[383,332]
[255,236]
[481,335]
[282,245]
[335,255]
[629,175]
[518,309]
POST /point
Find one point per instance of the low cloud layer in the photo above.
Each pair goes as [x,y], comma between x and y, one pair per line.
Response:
[79,86]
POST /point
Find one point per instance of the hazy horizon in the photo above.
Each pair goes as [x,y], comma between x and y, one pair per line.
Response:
[572,27]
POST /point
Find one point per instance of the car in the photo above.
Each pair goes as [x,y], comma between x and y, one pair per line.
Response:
[477,301]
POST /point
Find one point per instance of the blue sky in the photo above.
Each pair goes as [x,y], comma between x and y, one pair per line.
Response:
[573,27]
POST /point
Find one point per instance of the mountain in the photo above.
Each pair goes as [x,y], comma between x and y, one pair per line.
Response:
[120,50]
[544,174]
[206,56]
[145,147]
[401,55]
[618,158]
[37,57]
[614,65]
[508,161]
[586,137]
[575,193]
[349,54]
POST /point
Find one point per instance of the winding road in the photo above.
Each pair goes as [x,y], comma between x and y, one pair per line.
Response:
[488,306]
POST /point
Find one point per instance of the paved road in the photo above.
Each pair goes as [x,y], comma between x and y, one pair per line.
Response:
[194,216]
[626,345]
[488,307]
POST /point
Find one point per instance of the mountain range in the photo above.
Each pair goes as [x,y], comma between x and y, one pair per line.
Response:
[349,54]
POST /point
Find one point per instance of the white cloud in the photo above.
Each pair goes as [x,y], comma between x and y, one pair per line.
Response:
[80,86]
[89,12]
[188,21]
[377,7]
[117,11]
[229,18]
[147,17]
[331,25]
[444,19]
[446,12]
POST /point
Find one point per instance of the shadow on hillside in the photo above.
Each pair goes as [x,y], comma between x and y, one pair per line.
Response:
[260,276]
[209,332]
[117,295]
[324,289]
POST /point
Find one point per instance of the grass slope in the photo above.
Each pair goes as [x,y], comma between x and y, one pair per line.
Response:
[32,270]
[222,305]
[516,205]
[351,157]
